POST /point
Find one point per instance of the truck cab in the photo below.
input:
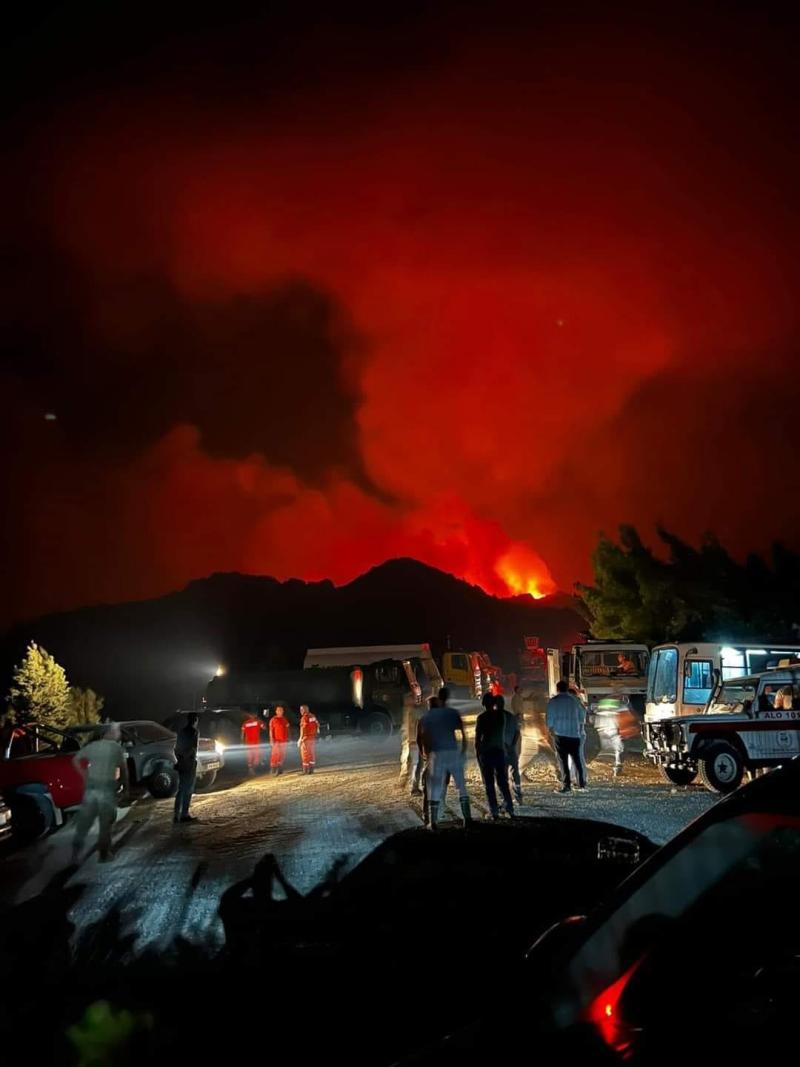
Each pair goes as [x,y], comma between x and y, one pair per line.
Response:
[748,723]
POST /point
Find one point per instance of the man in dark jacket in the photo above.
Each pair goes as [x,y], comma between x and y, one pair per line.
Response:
[186,766]
[491,738]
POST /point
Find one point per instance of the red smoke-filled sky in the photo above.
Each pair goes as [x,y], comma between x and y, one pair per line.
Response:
[469,284]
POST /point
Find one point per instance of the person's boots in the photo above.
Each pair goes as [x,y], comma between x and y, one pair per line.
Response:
[433,814]
[466,811]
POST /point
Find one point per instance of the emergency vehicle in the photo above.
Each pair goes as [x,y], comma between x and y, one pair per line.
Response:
[748,723]
[601,670]
[682,676]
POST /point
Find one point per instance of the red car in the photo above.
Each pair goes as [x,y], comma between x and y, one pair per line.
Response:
[39,779]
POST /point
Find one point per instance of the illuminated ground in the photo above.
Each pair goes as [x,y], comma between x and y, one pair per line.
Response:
[167,881]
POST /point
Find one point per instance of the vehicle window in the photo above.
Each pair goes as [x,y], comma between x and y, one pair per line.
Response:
[612,662]
[459,663]
[147,732]
[387,674]
[698,681]
[733,698]
[432,672]
[665,678]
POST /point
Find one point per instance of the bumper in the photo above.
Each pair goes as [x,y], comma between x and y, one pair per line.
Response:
[205,766]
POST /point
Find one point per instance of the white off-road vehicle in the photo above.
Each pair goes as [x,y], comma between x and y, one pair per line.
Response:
[748,723]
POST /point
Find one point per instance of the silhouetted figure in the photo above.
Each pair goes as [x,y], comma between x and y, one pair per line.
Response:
[102,763]
[491,739]
[566,721]
[514,726]
[439,726]
[186,765]
[411,761]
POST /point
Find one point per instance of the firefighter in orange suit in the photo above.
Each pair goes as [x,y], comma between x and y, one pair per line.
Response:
[278,735]
[309,728]
[251,738]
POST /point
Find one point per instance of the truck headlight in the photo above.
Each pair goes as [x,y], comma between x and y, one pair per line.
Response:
[219,747]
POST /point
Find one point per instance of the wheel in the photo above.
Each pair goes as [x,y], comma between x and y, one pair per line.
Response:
[677,775]
[205,781]
[163,782]
[30,820]
[721,767]
[377,725]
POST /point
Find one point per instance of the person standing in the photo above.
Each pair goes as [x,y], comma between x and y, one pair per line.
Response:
[186,765]
[424,762]
[102,764]
[514,749]
[566,721]
[251,739]
[491,737]
[410,755]
[438,729]
[514,727]
[278,735]
[309,728]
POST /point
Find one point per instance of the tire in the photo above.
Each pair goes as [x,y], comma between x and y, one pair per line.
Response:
[205,782]
[721,767]
[163,782]
[29,819]
[377,725]
[677,775]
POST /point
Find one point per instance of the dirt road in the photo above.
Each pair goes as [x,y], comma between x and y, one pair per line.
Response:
[166,881]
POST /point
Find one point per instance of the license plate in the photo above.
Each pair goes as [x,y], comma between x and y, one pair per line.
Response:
[211,765]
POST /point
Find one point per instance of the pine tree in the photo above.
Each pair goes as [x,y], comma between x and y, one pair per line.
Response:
[39,691]
[85,707]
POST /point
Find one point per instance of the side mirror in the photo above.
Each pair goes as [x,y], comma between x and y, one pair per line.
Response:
[618,850]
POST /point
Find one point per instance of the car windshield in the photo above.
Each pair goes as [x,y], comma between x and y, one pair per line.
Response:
[733,697]
[606,663]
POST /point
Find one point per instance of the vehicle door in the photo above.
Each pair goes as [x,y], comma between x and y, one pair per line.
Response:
[698,683]
[458,670]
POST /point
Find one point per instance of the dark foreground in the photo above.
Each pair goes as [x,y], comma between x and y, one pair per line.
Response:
[420,938]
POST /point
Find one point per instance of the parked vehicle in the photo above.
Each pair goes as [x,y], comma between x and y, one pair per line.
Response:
[611,987]
[366,700]
[748,723]
[39,780]
[602,669]
[421,672]
[720,888]
[468,675]
[682,676]
[150,751]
